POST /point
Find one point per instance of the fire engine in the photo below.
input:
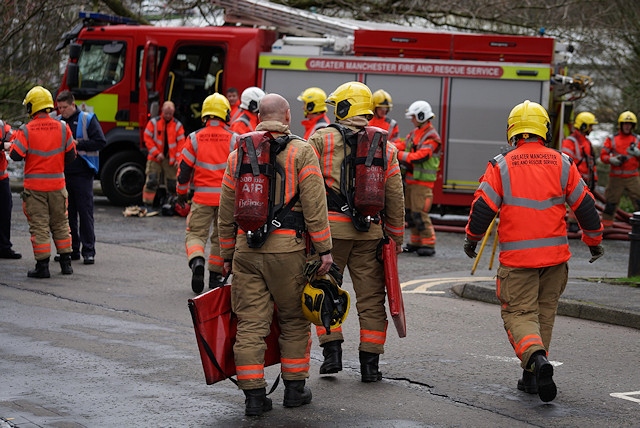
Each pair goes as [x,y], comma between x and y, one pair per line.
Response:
[123,72]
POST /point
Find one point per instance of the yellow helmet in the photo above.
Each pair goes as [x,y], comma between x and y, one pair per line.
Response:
[627,117]
[583,120]
[528,118]
[351,99]
[216,105]
[314,100]
[324,303]
[37,99]
[381,98]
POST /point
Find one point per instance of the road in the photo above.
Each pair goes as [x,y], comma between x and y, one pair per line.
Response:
[113,345]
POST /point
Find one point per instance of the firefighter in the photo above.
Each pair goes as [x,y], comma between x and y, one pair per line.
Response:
[578,147]
[420,153]
[315,110]
[164,137]
[79,175]
[234,101]
[382,105]
[202,164]
[272,272]
[46,145]
[622,152]
[247,116]
[353,248]
[529,185]
[6,201]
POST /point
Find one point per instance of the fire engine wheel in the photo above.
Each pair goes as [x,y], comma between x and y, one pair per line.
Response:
[123,178]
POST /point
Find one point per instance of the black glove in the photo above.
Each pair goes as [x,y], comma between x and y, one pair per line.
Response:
[182,199]
[597,251]
[470,248]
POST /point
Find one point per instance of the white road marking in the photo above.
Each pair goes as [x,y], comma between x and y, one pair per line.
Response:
[426,283]
[626,396]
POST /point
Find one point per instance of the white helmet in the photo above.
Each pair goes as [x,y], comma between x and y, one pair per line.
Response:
[421,110]
[250,98]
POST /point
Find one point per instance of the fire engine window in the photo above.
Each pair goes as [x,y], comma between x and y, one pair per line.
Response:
[101,65]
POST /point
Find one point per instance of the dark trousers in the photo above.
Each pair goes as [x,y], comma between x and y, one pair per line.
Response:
[6,204]
[80,188]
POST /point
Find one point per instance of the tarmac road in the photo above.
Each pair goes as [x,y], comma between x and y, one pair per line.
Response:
[113,345]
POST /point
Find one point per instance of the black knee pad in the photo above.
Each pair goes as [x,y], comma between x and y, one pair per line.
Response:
[417,221]
[152,181]
[171,186]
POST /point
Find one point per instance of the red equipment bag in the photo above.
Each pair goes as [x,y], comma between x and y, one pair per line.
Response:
[370,171]
[215,326]
[392,282]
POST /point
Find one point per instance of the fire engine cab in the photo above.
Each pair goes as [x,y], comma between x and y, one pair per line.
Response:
[123,72]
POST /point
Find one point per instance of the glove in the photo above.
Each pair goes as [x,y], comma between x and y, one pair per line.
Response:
[182,199]
[597,251]
[616,160]
[470,248]
[633,150]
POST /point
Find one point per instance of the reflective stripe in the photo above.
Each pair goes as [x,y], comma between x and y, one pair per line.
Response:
[52,175]
[534,243]
[249,372]
[372,336]
[204,189]
[92,158]
[294,365]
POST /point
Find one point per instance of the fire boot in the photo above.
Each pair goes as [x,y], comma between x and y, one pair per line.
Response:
[332,352]
[256,402]
[41,270]
[369,367]
[295,393]
[65,264]
[426,251]
[528,382]
[197,279]
[543,371]
[215,280]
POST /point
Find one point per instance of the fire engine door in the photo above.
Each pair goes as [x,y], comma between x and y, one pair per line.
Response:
[149,95]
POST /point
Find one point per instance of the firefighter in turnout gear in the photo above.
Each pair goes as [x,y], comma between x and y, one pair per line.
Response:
[246,118]
[420,153]
[355,242]
[315,110]
[203,160]
[46,145]
[382,105]
[529,186]
[622,152]
[578,147]
[164,137]
[6,201]
[271,271]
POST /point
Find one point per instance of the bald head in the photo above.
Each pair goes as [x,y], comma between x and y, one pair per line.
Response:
[274,107]
[168,109]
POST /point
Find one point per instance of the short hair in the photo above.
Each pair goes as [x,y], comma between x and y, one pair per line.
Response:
[65,97]
[232,89]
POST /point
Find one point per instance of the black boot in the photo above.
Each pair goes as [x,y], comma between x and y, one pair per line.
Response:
[256,402]
[332,352]
[215,280]
[295,393]
[65,264]
[528,382]
[197,279]
[543,371]
[41,270]
[426,251]
[369,367]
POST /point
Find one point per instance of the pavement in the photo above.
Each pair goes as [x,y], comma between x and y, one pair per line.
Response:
[589,299]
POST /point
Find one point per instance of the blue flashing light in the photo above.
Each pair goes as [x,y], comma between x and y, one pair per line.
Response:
[107,19]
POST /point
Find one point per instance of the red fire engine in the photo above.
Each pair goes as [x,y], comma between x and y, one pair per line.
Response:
[123,72]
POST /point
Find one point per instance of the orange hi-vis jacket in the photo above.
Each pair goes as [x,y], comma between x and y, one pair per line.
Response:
[330,149]
[45,144]
[579,148]
[529,186]
[244,122]
[422,144]
[203,161]
[154,138]
[6,133]
[302,175]
[388,124]
[312,124]
[618,144]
